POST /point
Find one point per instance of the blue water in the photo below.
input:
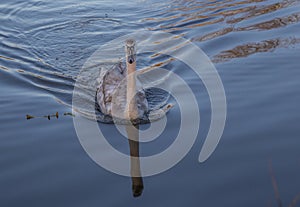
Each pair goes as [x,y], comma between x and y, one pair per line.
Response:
[255,48]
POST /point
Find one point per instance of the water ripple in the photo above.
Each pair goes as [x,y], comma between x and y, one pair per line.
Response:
[49,42]
[255,47]
[44,44]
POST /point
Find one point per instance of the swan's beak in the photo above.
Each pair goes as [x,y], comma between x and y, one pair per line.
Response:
[130,51]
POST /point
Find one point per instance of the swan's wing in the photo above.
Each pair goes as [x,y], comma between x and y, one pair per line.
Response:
[108,81]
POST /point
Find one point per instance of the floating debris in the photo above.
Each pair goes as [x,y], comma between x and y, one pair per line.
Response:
[29,116]
[49,115]
[69,114]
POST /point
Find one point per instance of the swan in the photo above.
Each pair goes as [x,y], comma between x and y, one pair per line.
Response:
[120,96]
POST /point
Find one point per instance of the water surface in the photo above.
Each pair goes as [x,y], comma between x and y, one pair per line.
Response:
[255,48]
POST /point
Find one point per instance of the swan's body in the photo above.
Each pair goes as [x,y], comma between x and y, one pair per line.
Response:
[112,86]
[117,86]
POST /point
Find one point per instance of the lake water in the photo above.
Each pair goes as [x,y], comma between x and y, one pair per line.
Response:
[255,46]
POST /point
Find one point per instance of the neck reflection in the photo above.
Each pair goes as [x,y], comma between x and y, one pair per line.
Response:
[135,170]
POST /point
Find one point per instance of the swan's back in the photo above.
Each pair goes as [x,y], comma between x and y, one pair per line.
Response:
[111,93]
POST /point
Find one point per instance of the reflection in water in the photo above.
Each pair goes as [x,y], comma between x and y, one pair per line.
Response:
[264,9]
[274,23]
[267,25]
[212,35]
[136,177]
[279,202]
[253,48]
[182,15]
[196,14]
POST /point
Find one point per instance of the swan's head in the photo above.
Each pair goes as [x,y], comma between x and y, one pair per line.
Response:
[130,51]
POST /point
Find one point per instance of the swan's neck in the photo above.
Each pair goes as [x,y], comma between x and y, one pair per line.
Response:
[131,105]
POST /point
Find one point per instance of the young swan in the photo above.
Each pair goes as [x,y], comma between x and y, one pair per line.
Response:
[122,100]
[120,97]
